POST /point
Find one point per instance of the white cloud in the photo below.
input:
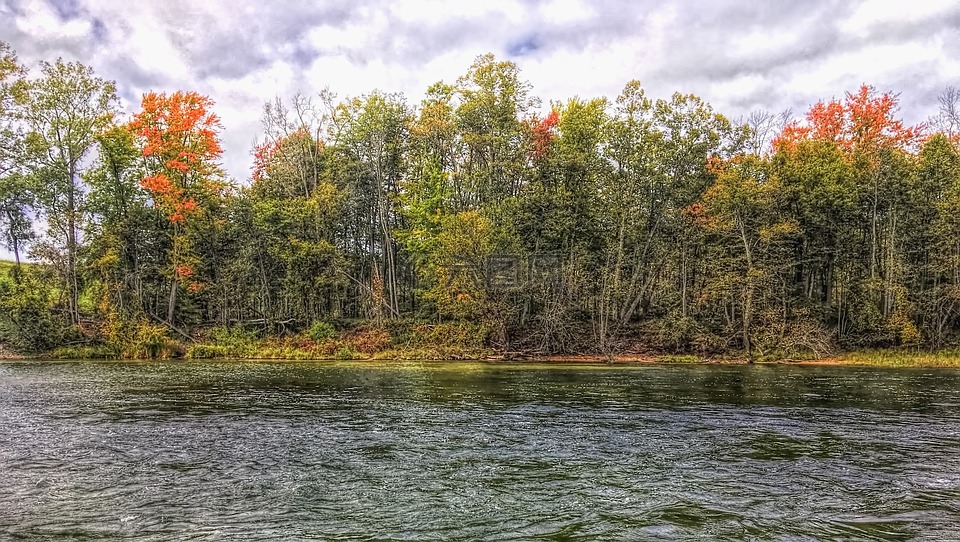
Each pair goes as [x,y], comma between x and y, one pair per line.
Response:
[873,13]
[736,55]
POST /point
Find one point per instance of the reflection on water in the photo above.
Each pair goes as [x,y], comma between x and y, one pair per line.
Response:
[281,451]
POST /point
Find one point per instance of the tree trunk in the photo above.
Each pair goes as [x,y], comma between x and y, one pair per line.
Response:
[748,297]
[172,301]
[15,241]
[72,248]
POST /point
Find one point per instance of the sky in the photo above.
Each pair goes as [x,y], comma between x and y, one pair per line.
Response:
[739,56]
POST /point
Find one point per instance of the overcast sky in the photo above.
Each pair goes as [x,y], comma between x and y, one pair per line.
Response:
[737,55]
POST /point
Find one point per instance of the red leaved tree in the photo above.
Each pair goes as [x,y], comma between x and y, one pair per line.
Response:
[543,132]
[864,121]
[178,138]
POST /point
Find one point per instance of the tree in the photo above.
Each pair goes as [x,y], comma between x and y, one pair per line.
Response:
[371,138]
[178,139]
[294,213]
[121,229]
[947,119]
[875,147]
[12,87]
[764,127]
[493,100]
[862,122]
[558,220]
[16,197]
[742,214]
[67,109]
[935,239]
[659,151]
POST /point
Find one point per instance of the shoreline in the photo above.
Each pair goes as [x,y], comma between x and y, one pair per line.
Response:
[866,358]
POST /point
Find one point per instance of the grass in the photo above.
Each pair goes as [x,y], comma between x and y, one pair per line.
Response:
[901,358]
[6,269]
[85,352]
[679,358]
[340,350]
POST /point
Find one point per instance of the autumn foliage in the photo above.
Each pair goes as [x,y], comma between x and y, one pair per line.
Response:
[862,121]
[609,227]
[543,132]
[179,139]
[269,153]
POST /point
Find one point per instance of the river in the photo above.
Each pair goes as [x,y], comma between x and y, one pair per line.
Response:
[459,451]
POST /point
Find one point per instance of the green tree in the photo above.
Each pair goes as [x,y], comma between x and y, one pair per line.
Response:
[934,238]
[16,196]
[68,107]
[121,228]
[492,101]
[749,233]
[371,140]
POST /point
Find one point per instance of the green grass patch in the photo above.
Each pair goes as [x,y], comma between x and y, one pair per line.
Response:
[99,351]
[902,358]
[433,353]
[679,358]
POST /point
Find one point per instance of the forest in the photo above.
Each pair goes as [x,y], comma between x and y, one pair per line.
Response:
[479,221]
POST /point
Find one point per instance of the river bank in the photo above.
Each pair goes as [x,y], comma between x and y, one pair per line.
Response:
[864,358]
[463,341]
[894,358]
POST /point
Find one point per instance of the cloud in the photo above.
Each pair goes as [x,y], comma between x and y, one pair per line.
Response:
[739,56]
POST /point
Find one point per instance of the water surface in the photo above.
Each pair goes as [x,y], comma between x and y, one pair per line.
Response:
[320,451]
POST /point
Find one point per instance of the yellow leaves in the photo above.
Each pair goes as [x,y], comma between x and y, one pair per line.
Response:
[779,231]
[109,261]
[906,331]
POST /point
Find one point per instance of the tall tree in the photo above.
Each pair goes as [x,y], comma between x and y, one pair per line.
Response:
[372,136]
[67,109]
[947,119]
[12,86]
[493,100]
[16,197]
[294,213]
[121,228]
[179,143]
[875,145]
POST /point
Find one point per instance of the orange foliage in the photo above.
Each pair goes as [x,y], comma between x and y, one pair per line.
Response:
[157,184]
[862,121]
[262,158]
[178,136]
[543,133]
[178,128]
[178,139]
[715,165]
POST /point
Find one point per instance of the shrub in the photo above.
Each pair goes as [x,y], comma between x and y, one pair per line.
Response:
[345,353]
[206,351]
[459,334]
[27,322]
[367,340]
[136,338]
[235,342]
[320,331]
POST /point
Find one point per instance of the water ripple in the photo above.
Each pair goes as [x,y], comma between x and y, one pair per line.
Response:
[281,451]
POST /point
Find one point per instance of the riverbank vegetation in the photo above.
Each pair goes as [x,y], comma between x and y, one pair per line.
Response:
[480,222]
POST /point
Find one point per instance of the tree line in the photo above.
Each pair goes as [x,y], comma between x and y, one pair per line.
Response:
[601,226]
